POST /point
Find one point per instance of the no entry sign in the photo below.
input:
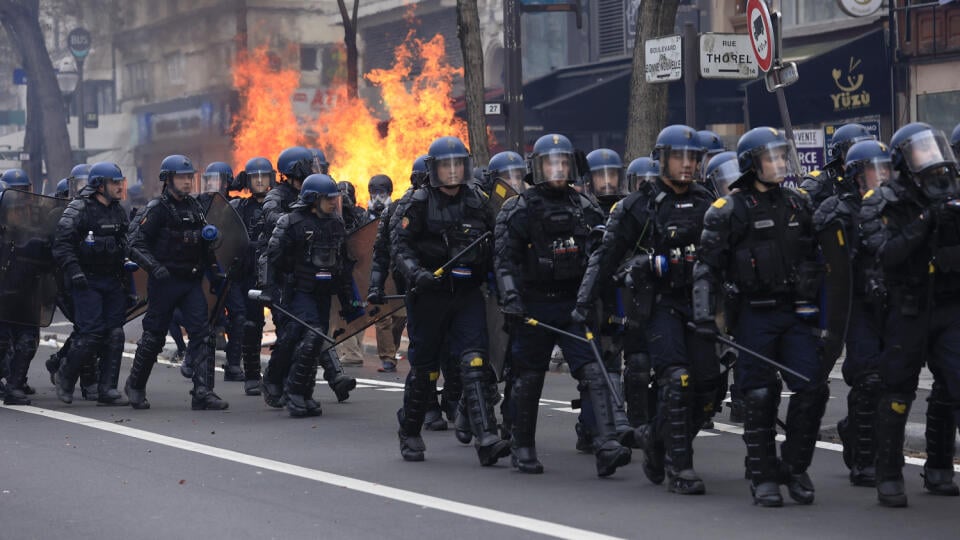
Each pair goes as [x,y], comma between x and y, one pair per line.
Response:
[760,29]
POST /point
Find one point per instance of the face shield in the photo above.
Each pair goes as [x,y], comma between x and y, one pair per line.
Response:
[635,181]
[771,162]
[555,166]
[76,184]
[115,189]
[682,165]
[331,206]
[450,171]
[939,182]
[607,182]
[211,183]
[514,178]
[182,184]
[875,172]
[724,175]
[926,149]
[259,182]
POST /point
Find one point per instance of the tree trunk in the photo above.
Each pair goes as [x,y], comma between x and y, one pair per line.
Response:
[468,30]
[20,19]
[648,102]
[33,142]
[350,42]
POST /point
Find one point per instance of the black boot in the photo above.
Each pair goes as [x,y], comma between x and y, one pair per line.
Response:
[803,427]
[941,444]
[418,392]
[89,374]
[676,428]
[143,361]
[527,387]
[609,453]
[461,424]
[233,373]
[858,433]
[636,387]
[891,420]
[477,375]
[250,357]
[281,356]
[111,354]
[760,408]
[298,389]
[434,421]
[333,373]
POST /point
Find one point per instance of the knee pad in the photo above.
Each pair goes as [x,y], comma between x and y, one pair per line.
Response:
[115,337]
[868,383]
[676,377]
[638,364]
[152,342]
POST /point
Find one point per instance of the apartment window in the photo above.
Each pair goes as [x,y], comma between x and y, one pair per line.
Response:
[939,109]
[810,12]
[308,58]
[174,63]
[137,78]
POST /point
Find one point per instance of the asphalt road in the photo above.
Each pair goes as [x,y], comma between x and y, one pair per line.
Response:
[83,471]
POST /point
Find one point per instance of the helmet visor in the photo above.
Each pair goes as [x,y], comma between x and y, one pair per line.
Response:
[184,183]
[607,181]
[76,183]
[682,164]
[724,175]
[450,171]
[926,149]
[260,182]
[772,162]
[876,171]
[211,183]
[513,177]
[555,166]
[330,204]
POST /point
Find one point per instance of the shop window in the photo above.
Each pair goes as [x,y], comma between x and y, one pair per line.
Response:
[940,109]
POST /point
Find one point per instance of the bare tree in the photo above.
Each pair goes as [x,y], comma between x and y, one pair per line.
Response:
[468,29]
[350,40]
[47,119]
[648,102]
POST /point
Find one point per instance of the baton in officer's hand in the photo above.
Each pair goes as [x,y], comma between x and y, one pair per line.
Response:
[729,342]
[260,296]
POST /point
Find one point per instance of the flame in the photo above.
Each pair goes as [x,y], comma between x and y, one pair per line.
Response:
[349,132]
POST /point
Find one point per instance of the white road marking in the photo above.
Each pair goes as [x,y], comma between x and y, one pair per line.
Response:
[497,517]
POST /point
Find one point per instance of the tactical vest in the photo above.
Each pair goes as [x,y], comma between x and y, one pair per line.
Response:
[776,257]
[557,257]
[678,225]
[911,276]
[180,246]
[946,254]
[103,238]
[318,242]
[449,227]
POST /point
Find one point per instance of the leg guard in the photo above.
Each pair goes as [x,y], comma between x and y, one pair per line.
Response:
[527,387]
[858,434]
[17,375]
[941,444]
[150,345]
[204,399]
[302,378]
[111,354]
[82,352]
[760,408]
[609,453]
[636,385]
[892,413]
[477,377]
[418,392]
[56,359]
[677,426]
[803,426]
[280,358]
[250,355]
[333,373]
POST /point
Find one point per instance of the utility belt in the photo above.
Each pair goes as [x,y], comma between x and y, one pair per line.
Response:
[103,270]
[322,281]
[184,272]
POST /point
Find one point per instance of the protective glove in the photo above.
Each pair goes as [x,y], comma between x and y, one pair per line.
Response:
[79,281]
[424,280]
[161,273]
[352,312]
[375,296]
[217,279]
[514,315]
[580,314]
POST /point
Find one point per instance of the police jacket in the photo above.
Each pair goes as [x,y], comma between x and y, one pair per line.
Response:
[308,251]
[543,244]
[431,227]
[168,233]
[252,215]
[275,204]
[380,265]
[822,183]
[91,237]
[914,240]
[762,243]
[354,217]
[844,208]
[662,225]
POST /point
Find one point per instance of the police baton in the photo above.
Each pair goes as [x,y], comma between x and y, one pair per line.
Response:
[730,343]
[439,272]
[260,296]
[593,346]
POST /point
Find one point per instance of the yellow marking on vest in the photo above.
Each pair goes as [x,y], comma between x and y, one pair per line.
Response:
[931,269]
[899,408]
[685,380]
[815,173]
[840,237]
[501,191]
[476,362]
[719,203]
[868,194]
[434,375]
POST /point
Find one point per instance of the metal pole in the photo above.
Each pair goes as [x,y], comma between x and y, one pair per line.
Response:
[788,127]
[893,44]
[513,76]
[81,143]
[690,74]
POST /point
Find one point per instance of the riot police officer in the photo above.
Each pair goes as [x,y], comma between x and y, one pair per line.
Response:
[641,174]
[712,145]
[307,250]
[78,178]
[90,248]
[168,242]
[721,171]
[912,227]
[540,256]
[216,178]
[605,178]
[509,167]
[245,316]
[62,190]
[445,307]
[825,182]
[660,231]
[758,248]
[354,216]
[379,190]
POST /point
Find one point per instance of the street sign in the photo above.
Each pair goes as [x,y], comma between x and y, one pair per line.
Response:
[861,8]
[727,56]
[78,41]
[19,76]
[781,76]
[760,30]
[492,109]
[663,59]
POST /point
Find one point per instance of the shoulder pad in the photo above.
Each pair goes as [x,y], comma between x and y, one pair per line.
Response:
[797,193]
[702,192]
[879,197]
[152,203]
[814,173]
[720,211]
[631,201]
[420,195]
[512,205]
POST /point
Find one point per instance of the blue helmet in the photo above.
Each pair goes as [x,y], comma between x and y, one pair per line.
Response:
[508,166]
[922,153]
[448,162]
[640,171]
[711,142]
[761,142]
[868,163]
[955,141]
[295,163]
[315,186]
[605,174]
[78,178]
[217,178]
[682,142]
[722,170]
[846,136]
[320,164]
[258,175]
[172,166]
[102,172]
[419,174]
[17,179]
[557,152]
[62,190]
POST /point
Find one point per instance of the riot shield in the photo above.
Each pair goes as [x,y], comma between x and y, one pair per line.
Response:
[360,249]
[230,247]
[28,280]
[137,287]
[500,193]
[499,339]
[836,293]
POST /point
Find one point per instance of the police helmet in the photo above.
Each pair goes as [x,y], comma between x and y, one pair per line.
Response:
[17,179]
[217,178]
[846,136]
[763,151]
[509,167]
[320,164]
[955,141]
[606,178]
[419,173]
[103,172]
[557,153]
[868,163]
[63,189]
[258,176]
[448,162]
[316,186]
[640,171]
[682,143]
[380,183]
[922,153]
[296,163]
[722,170]
[78,177]
[711,142]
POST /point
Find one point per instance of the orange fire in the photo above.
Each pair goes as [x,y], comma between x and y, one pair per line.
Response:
[420,109]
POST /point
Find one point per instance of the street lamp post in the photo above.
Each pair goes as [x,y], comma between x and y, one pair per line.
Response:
[67,79]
